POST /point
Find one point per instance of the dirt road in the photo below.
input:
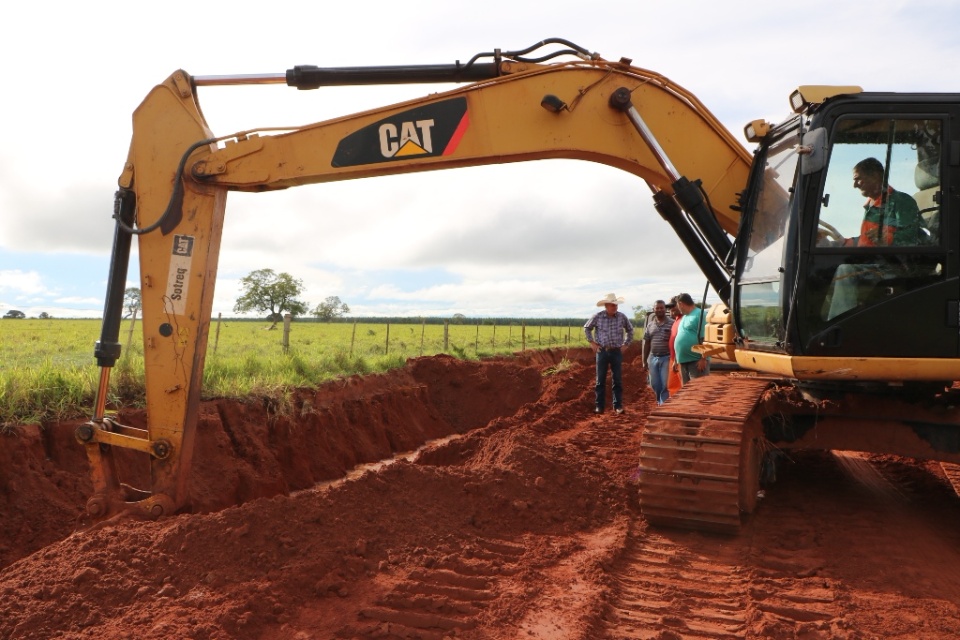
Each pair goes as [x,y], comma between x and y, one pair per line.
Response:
[518,521]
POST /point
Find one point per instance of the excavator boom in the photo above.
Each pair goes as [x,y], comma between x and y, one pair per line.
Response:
[512,108]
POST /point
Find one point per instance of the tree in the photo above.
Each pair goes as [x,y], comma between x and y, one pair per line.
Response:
[331,308]
[45,316]
[640,315]
[15,314]
[132,301]
[270,292]
[459,318]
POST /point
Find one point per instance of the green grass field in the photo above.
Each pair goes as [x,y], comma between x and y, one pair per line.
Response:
[48,373]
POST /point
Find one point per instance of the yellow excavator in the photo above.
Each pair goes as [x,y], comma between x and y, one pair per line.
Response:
[844,343]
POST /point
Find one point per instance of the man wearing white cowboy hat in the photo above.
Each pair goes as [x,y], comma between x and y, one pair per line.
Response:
[609,332]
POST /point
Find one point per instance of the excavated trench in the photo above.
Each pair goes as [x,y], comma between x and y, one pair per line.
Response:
[516,518]
[259,448]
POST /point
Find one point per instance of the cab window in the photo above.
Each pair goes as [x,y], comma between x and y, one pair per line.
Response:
[882,185]
[878,231]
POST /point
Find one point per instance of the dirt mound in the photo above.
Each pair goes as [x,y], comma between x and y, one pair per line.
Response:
[518,520]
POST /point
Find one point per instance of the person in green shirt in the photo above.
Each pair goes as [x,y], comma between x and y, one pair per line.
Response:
[692,364]
[889,216]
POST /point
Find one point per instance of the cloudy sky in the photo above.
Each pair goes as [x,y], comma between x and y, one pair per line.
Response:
[541,239]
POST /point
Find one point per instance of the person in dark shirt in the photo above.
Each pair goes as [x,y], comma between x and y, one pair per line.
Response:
[656,349]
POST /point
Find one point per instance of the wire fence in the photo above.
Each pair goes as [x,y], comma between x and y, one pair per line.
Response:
[426,338]
[70,342]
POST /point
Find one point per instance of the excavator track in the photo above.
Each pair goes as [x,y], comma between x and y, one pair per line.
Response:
[700,455]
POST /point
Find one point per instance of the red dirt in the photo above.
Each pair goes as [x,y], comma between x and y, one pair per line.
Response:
[524,524]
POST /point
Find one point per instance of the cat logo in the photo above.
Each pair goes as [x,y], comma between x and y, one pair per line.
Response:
[412,139]
[432,130]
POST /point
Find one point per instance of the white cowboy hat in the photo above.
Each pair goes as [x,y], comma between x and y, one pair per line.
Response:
[610,298]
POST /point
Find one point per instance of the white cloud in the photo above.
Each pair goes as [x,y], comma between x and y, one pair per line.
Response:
[505,240]
[18,282]
[75,218]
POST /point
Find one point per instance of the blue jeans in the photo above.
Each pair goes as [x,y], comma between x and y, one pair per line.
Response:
[613,360]
[659,375]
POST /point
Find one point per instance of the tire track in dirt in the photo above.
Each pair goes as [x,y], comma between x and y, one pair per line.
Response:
[787,595]
[568,594]
[676,584]
[794,591]
[429,603]
[771,581]
[827,546]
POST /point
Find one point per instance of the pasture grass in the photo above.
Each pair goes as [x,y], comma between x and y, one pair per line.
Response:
[48,372]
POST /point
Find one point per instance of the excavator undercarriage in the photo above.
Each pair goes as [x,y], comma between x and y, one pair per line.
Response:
[707,452]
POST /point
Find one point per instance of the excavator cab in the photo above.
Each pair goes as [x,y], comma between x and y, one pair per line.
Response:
[844,300]
[807,284]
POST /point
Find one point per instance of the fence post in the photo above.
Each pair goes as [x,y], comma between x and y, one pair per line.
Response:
[216,335]
[286,332]
[423,330]
[353,337]
[386,346]
[446,335]
[133,322]
[523,335]
[493,340]
[476,340]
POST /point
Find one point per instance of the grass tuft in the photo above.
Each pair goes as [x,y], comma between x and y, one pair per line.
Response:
[560,367]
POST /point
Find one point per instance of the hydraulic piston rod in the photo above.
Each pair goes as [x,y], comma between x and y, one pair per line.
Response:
[313,77]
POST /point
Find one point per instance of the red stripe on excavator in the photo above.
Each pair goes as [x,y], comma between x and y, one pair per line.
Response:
[457,135]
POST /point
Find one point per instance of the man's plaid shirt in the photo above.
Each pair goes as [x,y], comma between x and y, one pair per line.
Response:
[608,331]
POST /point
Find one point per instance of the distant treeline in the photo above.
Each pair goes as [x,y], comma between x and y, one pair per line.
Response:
[500,322]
